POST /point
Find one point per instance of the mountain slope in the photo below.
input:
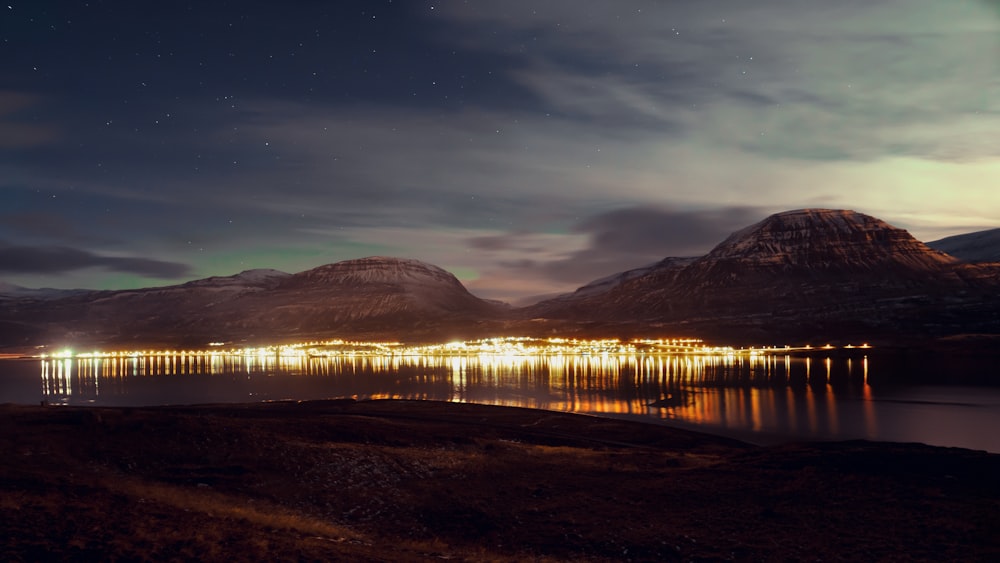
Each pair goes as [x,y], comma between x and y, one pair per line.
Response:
[801,275]
[133,314]
[592,294]
[245,280]
[798,272]
[366,296]
[11,291]
[818,241]
[795,254]
[981,246]
[371,294]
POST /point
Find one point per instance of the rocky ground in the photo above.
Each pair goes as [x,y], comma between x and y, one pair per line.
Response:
[417,481]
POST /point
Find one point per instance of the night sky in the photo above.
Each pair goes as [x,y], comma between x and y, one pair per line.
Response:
[526,146]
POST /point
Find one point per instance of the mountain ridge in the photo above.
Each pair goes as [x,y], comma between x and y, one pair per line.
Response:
[979,246]
[801,238]
[375,295]
[803,273]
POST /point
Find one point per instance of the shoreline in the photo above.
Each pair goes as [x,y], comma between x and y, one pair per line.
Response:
[757,438]
[760,438]
[746,437]
[416,480]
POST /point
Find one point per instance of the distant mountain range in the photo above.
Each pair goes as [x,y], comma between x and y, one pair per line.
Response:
[981,246]
[11,291]
[799,276]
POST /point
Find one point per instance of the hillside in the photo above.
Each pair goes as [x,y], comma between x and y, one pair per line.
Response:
[804,274]
[420,481]
[981,246]
[798,276]
[375,296]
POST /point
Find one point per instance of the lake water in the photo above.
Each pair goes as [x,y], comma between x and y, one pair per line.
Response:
[761,399]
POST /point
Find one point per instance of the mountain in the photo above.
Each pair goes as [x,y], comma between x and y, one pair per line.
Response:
[245,280]
[147,314]
[795,255]
[668,267]
[803,273]
[820,242]
[981,246]
[395,296]
[11,291]
[369,296]
[794,277]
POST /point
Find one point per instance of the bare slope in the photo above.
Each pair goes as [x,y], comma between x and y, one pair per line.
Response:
[981,246]
[804,272]
[370,296]
[423,481]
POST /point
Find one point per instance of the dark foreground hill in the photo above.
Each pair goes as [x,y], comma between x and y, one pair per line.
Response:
[418,481]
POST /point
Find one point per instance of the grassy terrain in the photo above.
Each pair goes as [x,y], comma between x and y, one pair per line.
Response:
[417,481]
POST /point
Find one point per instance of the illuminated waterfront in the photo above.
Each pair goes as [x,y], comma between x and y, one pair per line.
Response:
[507,346]
[763,394]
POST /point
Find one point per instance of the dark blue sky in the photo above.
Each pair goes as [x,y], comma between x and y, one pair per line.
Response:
[529,147]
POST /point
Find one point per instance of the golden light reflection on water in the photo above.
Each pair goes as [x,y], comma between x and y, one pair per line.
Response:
[766,390]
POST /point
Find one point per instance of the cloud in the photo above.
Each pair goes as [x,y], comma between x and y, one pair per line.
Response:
[21,134]
[12,102]
[630,103]
[398,167]
[605,243]
[49,260]
[831,81]
[651,231]
[631,237]
[658,111]
[45,225]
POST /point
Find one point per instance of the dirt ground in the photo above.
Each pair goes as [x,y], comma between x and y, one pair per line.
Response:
[422,481]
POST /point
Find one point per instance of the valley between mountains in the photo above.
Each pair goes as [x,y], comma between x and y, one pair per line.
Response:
[799,276]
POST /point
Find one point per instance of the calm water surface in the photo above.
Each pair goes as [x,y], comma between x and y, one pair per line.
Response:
[762,399]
